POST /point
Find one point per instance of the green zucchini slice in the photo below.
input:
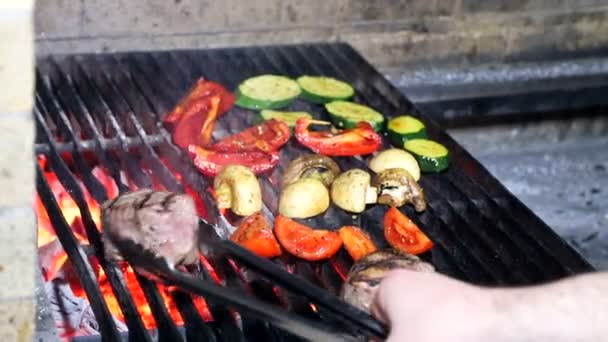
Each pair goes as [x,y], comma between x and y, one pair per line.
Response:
[345,114]
[404,128]
[321,89]
[431,155]
[288,117]
[267,92]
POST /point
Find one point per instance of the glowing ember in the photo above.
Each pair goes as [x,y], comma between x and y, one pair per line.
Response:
[58,264]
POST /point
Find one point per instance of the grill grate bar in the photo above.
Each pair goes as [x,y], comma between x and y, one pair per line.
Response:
[544,265]
[229,325]
[77,256]
[447,243]
[113,274]
[108,109]
[166,327]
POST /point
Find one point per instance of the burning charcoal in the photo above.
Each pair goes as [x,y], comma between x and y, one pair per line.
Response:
[365,275]
[164,223]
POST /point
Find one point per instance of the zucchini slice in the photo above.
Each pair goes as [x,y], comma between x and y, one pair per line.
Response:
[321,89]
[267,92]
[345,114]
[288,117]
[431,155]
[403,128]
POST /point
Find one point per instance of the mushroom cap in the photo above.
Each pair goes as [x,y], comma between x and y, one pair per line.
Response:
[348,191]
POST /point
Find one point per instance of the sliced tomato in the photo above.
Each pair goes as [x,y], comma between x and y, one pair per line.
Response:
[356,242]
[403,234]
[265,137]
[305,242]
[210,163]
[255,234]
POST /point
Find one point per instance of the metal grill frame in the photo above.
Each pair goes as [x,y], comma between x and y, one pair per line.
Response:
[483,233]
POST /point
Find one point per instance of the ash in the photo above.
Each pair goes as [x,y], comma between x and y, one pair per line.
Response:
[72,315]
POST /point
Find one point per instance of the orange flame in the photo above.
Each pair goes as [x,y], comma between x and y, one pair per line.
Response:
[71,212]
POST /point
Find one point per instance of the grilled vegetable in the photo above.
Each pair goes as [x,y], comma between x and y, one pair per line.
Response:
[396,187]
[365,276]
[304,242]
[431,155]
[197,100]
[303,198]
[255,234]
[403,234]
[404,128]
[395,158]
[210,163]
[267,92]
[360,140]
[320,89]
[311,166]
[346,114]
[351,191]
[266,137]
[163,223]
[193,119]
[289,118]
[356,242]
[237,188]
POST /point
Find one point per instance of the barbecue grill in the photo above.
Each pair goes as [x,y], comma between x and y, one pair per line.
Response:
[99,126]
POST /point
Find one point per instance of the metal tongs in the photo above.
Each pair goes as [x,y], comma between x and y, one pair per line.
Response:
[157,268]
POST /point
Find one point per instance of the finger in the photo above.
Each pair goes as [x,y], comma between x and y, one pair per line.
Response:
[389,293]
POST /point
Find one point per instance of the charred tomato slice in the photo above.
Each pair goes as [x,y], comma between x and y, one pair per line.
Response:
[356,242]
[305,242]
[403,234]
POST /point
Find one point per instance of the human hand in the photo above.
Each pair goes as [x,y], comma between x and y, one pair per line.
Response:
[425,307]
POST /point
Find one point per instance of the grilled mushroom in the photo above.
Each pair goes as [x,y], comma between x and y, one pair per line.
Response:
[237,188]
[304,198]
[351,191]
[366,274]
[395,158]
[315,166]
[397,187]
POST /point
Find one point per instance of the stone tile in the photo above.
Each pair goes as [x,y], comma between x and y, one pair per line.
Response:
[120,17]
[511,5]
[18,253]
[194,41]
[252,14]
[58,18]
[367,10]
[575,4]
[311,12]
[17,320]
[16,60]
[16,159]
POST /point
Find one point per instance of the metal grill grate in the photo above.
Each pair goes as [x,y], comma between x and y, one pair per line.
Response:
[106,110]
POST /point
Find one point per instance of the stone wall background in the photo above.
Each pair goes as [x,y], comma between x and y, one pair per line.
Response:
[18,229]
[389,33]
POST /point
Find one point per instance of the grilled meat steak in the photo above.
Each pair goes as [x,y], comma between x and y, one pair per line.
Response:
[163,223]
[365,275]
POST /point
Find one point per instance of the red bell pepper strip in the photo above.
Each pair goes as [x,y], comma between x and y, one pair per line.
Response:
[255,234]
[210,163]
[360,140]
[195,101]
[193,119]
[403,234]
[265,137]
[196,129]
[305,242]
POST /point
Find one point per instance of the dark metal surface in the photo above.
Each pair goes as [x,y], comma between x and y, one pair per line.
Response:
[106,110]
